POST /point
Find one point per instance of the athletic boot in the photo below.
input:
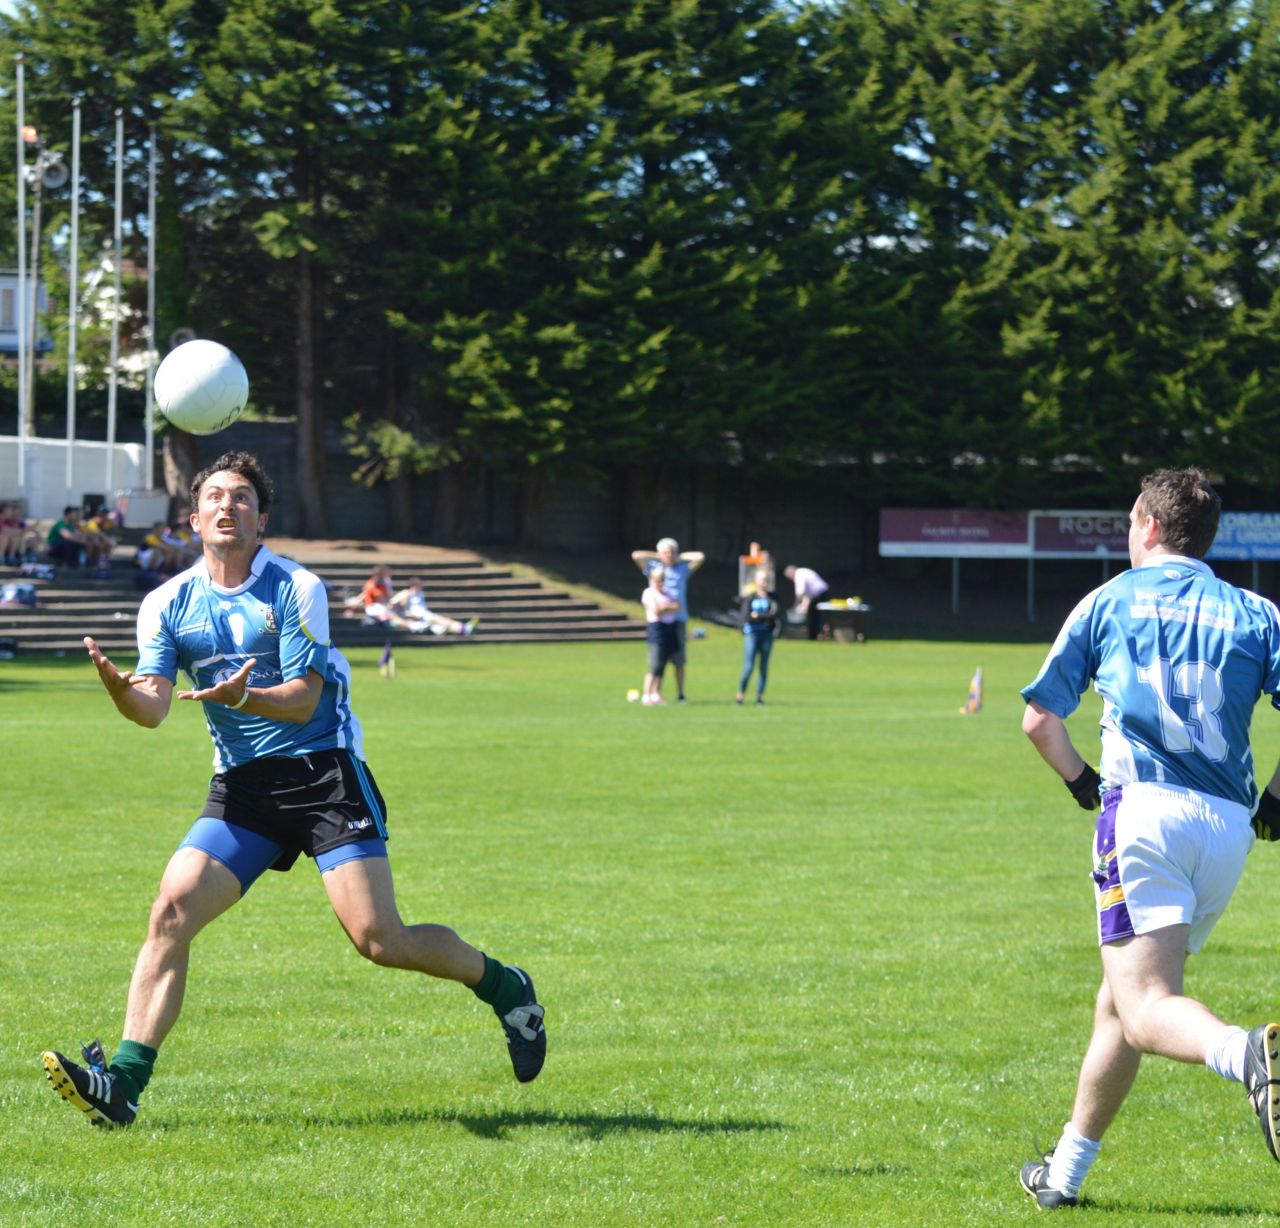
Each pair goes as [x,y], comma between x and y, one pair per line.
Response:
[526,1035]
[91,1089]
[1034,1178]
[1262,1081]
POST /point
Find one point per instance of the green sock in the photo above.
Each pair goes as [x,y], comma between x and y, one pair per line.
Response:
[499,986]
[132,1065]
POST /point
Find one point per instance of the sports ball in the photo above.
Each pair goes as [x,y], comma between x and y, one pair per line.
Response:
[632,695]
[201,387]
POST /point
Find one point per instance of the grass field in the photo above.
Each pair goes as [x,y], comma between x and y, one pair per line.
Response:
[829,962]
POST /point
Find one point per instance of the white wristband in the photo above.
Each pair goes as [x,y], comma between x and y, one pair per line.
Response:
[244,699]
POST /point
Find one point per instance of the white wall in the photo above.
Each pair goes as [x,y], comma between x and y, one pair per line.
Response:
[46,491]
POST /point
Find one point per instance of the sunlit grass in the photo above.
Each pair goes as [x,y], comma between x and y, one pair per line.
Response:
[828,962]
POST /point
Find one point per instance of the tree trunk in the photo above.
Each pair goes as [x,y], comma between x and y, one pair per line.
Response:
[642,498]
[531,507]
[179,461]
[400,493]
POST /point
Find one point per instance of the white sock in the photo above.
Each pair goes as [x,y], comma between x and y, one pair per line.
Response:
[1072,1158]
[1226,1057]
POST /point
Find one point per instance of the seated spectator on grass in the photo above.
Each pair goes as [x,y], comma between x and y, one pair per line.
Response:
[411,604]
[66,541]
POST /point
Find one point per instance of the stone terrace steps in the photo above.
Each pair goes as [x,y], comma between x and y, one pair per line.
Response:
[511,609]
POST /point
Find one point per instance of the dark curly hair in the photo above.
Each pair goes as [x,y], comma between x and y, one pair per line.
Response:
[1186,507]
[247,466]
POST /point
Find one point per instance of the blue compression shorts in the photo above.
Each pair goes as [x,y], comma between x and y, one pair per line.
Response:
[247,854]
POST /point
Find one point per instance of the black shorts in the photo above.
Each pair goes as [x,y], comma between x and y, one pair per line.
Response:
[664,643]
[305,803]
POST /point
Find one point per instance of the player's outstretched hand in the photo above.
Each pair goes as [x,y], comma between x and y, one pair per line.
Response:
[117,683]
[230,691]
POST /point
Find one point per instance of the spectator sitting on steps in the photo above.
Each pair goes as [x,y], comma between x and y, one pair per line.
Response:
[411,604]
[66,541]
[100,541]
[18,541]
[373,604]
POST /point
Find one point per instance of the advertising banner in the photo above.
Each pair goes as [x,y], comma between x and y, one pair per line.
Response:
[1247,535]
[945,532]
[1069,535]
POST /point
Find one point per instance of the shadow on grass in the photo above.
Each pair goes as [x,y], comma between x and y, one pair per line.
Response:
[860,1170]
[1182,1212]
[498,1125]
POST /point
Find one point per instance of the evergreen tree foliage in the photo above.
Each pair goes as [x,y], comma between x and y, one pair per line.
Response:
[975,250]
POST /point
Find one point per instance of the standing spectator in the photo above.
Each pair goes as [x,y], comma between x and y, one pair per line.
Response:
[251,632]
[757,558]
[66,541]
[759,622]
[810,589]
[1180,659]
[411,603]
[660,614]
[677,567]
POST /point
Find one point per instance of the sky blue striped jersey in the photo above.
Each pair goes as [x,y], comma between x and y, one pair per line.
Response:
[280,616]
[1179,658]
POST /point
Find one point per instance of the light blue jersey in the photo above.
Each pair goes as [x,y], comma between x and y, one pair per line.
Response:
[280,617]
[1179,658]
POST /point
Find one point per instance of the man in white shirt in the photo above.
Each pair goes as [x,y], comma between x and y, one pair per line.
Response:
[811,588]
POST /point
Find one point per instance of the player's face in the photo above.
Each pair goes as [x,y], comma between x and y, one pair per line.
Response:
[227,511]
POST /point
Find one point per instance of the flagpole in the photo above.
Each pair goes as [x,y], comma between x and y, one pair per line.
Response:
[33,270]
[22,293]
[73,276]
[149,461]
[117,257]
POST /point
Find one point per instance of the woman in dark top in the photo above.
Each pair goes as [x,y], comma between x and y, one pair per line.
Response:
[759,623]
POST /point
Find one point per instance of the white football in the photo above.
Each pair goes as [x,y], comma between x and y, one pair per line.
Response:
[201,387]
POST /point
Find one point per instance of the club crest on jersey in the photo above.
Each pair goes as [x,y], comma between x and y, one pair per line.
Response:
[269,624]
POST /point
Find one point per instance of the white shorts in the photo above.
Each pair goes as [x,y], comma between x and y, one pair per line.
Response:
[1166,855]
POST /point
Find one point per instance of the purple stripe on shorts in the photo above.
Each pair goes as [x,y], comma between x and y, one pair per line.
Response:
[1113,913]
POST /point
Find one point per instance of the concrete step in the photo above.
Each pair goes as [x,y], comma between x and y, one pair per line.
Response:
[511,609]
[38,628]
[123,648]
[556,604]
[65,614]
